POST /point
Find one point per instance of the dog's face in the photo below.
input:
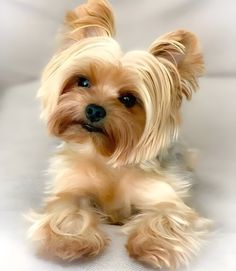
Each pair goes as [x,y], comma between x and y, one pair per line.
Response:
[99,100]
[126,105]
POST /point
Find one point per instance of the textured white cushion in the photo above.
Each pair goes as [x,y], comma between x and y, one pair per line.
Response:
[209,125]
[28,29]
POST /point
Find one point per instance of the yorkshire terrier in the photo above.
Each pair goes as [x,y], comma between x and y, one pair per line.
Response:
[118,116]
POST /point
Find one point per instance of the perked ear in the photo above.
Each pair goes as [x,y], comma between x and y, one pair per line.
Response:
[181,49]
[95,18]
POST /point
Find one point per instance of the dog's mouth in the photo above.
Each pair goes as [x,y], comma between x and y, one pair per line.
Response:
[91,128]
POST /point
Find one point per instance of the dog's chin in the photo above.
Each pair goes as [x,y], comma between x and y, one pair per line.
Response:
[82,130]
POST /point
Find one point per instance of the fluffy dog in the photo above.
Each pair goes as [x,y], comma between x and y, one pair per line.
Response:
[118,116]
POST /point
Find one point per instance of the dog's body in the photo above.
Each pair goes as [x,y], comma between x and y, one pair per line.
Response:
[118,115]
[116,192]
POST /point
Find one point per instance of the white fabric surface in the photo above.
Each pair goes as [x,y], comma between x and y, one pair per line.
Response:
[209,125]
[28,29]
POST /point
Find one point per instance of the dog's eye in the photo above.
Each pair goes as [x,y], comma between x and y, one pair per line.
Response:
[83,82]
[129,100]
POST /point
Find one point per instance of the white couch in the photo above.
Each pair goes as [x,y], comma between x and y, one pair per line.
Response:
[28,31]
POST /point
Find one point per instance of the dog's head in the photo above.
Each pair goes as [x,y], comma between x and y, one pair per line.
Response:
[126,105]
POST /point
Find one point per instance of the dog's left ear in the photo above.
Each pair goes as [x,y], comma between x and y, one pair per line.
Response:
[92,19]
[180,51]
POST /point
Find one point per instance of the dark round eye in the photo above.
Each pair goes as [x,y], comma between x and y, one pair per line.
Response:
[83,82]
[129,100]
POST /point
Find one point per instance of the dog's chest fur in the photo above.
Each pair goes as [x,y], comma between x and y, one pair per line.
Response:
[110,189]
[115,192]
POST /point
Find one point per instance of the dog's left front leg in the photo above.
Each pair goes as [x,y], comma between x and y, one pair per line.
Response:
[166,232]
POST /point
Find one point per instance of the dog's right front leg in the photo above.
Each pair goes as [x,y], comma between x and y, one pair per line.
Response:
[67,227]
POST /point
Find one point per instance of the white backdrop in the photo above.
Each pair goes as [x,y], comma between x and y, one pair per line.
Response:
[27,39]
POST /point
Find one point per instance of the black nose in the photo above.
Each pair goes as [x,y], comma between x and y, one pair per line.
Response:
[95,112]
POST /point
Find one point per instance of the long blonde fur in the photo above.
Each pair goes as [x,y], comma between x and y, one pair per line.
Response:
[128,172]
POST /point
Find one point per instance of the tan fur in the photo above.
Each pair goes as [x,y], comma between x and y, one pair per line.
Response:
[118,176]
[67,229]
[168,235]
[94,18]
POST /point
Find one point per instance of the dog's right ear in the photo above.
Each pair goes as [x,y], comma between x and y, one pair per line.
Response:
[93,19]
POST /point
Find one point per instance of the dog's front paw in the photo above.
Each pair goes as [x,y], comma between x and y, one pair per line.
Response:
[69,238]
[154,251]
[70,248]
[166,240]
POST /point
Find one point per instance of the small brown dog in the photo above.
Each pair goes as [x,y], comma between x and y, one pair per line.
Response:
[118,116]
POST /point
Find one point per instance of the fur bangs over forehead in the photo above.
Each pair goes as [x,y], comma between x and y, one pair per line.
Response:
[70,62]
